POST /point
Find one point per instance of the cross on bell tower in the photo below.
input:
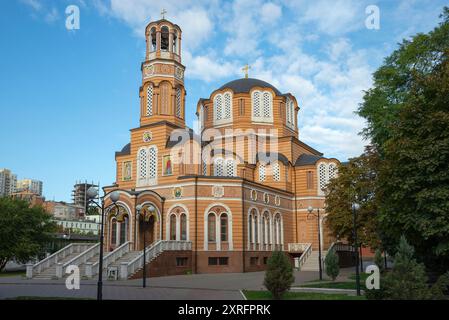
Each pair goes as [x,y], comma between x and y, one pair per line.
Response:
[163,12]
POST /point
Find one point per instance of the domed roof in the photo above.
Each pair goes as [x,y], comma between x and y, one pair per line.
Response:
[244,85]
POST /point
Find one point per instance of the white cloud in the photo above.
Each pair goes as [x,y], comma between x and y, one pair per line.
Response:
[219,37]
[34,4]
[208,67]
[270,13]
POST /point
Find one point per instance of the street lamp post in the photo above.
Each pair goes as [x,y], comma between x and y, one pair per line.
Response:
[355,207]
[320,267]
[92,193]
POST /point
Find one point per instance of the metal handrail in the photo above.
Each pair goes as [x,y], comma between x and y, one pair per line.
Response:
[84,255]
[306,253]
[112,256]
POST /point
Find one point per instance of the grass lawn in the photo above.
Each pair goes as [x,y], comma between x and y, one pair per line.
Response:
[12,274]
[363,277]
[266,295]
[332,285]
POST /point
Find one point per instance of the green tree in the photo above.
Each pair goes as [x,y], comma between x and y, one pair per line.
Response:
[331,264]
[356,179]
[24,230]
[379,260]
[407,280]
[408,122]
[279,274]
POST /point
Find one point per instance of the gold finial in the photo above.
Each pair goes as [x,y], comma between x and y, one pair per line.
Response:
[245,69]
[163,12]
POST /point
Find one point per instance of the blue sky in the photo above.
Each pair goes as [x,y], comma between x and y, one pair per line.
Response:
[69,98]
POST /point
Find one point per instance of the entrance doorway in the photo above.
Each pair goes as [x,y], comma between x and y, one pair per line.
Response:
[147,227]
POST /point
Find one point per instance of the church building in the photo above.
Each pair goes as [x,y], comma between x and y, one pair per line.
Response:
[220,198]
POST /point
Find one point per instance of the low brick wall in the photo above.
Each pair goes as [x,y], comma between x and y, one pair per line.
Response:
[166,265]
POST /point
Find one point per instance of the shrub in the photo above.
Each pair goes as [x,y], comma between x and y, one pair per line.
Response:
[279,274]
[331,264]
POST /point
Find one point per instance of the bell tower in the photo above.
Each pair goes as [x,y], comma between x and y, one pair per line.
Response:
[162,94]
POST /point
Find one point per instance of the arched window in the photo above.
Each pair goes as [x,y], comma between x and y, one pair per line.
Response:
[219,167]
[142,160]
[262,106]
[175,42]
[322,176]
[267,229]
[256,104]
[290,106]
[231,168]
[183,226]
[250,228]
[224,227]
[211,229]
[152,165]
[223,108]
[256,229]
[164,38]
[178,102]
[227,106]
[276,171]
[277,229]
[332,171]
[326,172]
[172,227]
[261,172]
[218,107]
[153,39]
[150,100]
[267,104]
[113,231]
[165,92]
[124,230]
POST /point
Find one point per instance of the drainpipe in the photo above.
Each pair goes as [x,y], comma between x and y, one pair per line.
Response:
[162,219]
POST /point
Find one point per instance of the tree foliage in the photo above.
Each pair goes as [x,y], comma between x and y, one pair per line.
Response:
[407,280]
[407,115]
[356,179]
[331,264]
[279,274]
[24,230]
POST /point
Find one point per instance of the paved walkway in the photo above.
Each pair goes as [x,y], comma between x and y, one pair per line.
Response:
[185,287]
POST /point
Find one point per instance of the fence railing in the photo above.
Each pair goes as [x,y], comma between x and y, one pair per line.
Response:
[152,251]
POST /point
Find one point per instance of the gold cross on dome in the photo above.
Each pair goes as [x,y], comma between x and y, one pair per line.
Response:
[163,12]
[245,69]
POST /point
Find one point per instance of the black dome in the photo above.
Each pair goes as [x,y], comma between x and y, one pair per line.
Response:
[246,84]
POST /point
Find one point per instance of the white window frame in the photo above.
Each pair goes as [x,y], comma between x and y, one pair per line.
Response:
[147,180]
[221,114]
[327,174]
[261,118]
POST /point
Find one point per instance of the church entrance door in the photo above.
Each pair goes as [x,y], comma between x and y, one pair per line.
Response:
[146,227]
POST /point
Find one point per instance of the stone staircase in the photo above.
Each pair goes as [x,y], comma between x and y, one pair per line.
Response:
[74,253]
[311,264]
[50,272]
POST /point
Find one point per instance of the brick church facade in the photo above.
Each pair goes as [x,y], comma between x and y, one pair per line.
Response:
[236,189]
